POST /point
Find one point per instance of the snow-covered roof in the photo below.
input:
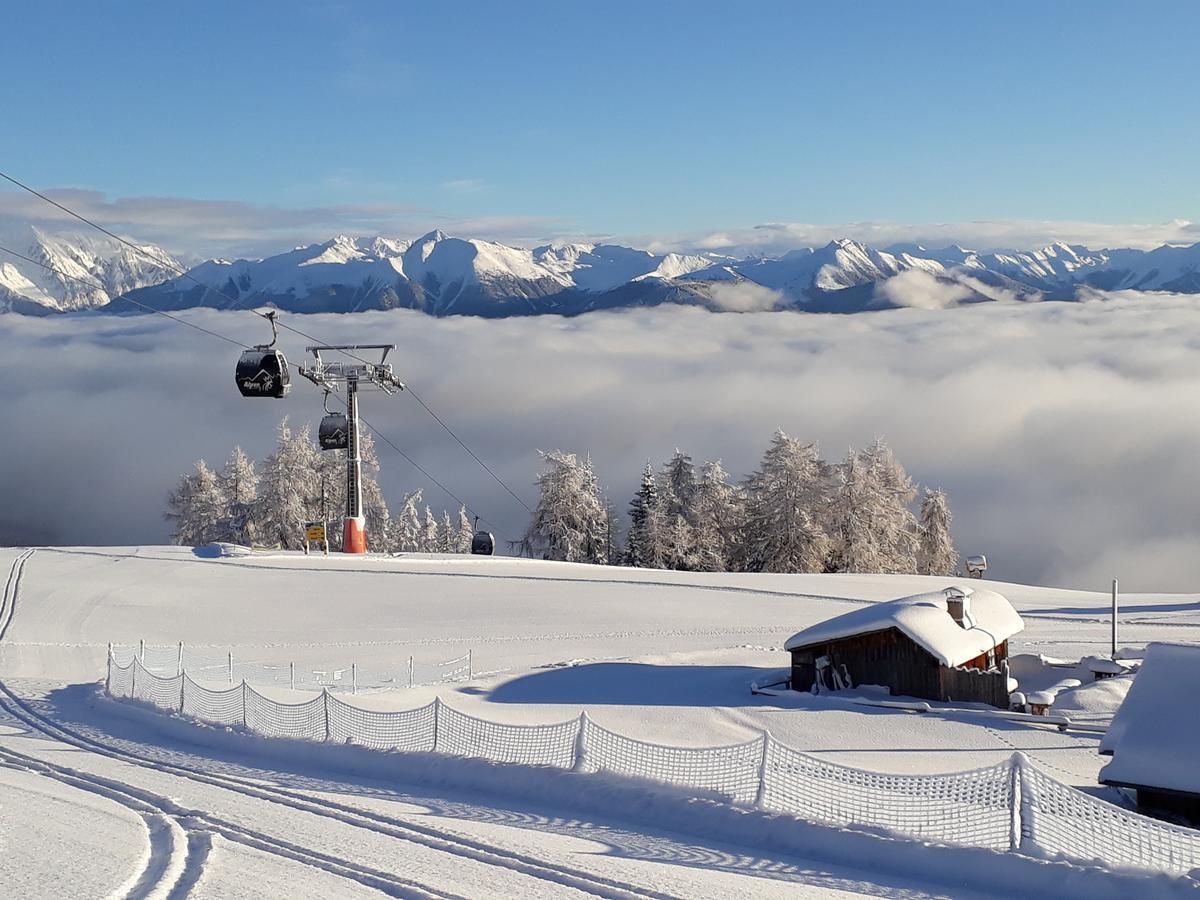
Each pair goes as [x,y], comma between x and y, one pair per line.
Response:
[1156,732]
[926,619]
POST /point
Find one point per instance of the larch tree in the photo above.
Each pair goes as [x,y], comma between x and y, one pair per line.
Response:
[287,488]
[374,506]
[935,552]
[874,529]
[784,510]
[466,533]
[447,535]
[430,540]
[569,520]
[408,528]
[195,507]
[717,519]
[238,483]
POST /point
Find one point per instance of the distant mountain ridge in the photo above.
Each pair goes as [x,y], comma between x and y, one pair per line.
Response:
[444,275]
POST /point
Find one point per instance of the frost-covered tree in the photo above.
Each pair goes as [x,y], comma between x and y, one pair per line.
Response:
[238,484]
[784,509]
[935,553]
[466,532]
[716,519]
[374,506]
[195,507]
[648,542]
[874,529]
[569,521]
[447,535]
[288,485]
[408,527]
[430,540]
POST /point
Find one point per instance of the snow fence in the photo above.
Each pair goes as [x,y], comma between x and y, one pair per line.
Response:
[1010,807]
[174,659]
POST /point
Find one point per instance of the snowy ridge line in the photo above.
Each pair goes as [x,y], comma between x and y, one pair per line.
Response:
[427,836]
[1011,807]
[169,661]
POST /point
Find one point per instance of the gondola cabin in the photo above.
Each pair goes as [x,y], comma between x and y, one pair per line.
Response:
[334,432]
[949,645]
[263,372]
[483,543]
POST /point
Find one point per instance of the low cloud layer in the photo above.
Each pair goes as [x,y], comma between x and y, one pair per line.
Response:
[1060,431]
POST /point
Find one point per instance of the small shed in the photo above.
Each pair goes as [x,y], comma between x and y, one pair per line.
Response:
[1154,738]
[949,645]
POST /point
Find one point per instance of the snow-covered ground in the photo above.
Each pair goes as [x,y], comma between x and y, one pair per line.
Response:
[663,656]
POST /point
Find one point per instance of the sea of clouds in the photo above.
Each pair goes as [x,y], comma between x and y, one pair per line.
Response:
[1064,433]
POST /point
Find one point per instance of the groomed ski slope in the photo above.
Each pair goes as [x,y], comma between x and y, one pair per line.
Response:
[107,801]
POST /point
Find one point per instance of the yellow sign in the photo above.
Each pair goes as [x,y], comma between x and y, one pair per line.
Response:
[314,531]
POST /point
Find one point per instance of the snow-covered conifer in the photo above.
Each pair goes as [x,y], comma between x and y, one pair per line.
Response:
[408,527]
[784,507]
[238,483]
[374,506]
[196,507]
[873,528]
[466,532]
[430,541]
[569,521]
[447,535]
[288,485]
[647,544]
[936,554]
[717,519]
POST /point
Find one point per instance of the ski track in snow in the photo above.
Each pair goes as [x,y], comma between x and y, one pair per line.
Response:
[178,848]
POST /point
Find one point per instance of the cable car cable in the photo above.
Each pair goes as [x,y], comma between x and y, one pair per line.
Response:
[186,274]
[383,437]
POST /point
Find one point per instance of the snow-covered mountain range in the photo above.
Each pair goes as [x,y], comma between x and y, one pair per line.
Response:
[445,275]
[84,260]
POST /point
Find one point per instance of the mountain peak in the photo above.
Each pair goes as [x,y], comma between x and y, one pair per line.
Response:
[436,235]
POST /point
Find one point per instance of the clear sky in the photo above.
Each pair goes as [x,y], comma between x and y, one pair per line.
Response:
[617,118]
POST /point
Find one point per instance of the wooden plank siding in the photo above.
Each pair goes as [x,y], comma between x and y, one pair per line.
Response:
[891,659]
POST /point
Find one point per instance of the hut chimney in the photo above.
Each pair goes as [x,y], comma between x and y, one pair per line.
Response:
[958,604]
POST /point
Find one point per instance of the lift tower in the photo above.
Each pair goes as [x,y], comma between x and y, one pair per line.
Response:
[353,375]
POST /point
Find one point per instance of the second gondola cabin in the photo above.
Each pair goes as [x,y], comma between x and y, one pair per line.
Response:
[334,432]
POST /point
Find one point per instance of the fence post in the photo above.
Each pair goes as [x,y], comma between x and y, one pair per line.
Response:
[182,682]
[325,705]
[292,675]
[1014,804]
[354,678]
[108,672]
[179,661]
[244,725]
[470,665]
[231,667]
[410,671]
[580,743]
[761,793]
[142,649]
[133,683]
[437,705]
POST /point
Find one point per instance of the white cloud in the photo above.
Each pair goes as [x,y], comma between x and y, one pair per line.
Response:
[744,296]
[921,290]
[1055,427]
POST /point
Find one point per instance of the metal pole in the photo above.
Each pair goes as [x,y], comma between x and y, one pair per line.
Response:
[1115,606]
[354,535]
[231,667]
[179,662]
[142,649]
[470,666]
[410,671]
[292,674]
[354,678]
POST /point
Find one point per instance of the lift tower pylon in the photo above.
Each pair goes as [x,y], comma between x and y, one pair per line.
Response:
[352,375]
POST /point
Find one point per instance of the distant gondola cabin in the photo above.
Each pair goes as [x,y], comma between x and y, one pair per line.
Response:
[949,645]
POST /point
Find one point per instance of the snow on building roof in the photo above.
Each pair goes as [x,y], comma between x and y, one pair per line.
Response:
[1156,732]
[926,619]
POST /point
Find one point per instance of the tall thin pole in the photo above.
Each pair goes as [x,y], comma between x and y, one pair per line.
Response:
[1115,607]
[354,535]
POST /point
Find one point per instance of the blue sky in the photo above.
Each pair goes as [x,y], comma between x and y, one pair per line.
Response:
[630,119]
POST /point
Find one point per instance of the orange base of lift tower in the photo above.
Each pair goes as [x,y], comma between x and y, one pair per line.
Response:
[354,535]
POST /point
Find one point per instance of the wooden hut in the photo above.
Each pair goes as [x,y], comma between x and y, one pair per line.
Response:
[949,645]
[1154,738]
